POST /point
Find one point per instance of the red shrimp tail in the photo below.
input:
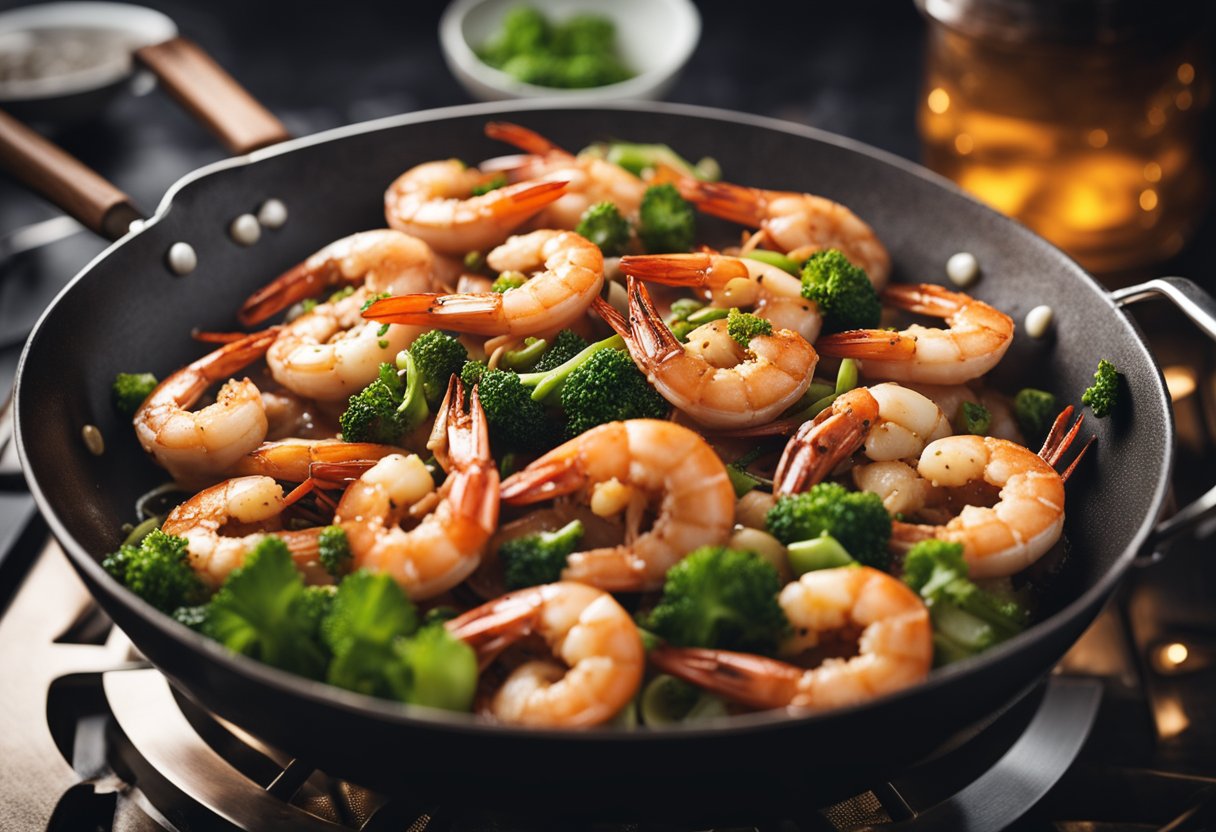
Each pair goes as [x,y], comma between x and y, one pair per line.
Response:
[879,344]
[734,203]
[670,269]
[654,339]
[755,681]
[1059,440]
[474,312]
[545,479]
[303,280]
[519,136]
[924,299]
[235,355]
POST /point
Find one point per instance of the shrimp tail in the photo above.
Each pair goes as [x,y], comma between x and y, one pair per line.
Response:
[751,680]
[824,442]
[474,481]
[295,460]
[186,385]
[650,341]
[474,312]
[924,299]
[495,626]
[701,268]
[526,140]
[1058,442]
[301,281]
[734,203]
[545,479]
[878,344]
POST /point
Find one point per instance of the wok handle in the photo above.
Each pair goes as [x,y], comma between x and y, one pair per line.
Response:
[1200,307]
[64,180]
[212,95]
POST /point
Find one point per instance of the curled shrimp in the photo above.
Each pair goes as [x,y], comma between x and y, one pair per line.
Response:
[331,352]
[799,224]
[763,380]
[595,640]
[197,447]
[292,459]
[976,340]
[383,260]
[671,467]
[446,546]
[434,202]
[772,293]
[589,179]
[571,272]
[243,501]
[894,651]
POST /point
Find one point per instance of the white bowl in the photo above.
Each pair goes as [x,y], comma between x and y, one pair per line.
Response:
[655,39]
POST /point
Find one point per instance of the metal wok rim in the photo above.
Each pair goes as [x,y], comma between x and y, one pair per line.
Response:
[321,693]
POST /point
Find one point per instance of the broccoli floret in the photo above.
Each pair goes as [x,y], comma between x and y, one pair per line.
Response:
[538,558]
[606,388]
[507,281]
[263,611]
[386,409]
[130,390]
[845,296]
[667,222]
[442,669]
[856,519]
[546,386]
[193,617]
[966,619]
[603,225]
[525,357]
[973,418]
[471,373]
[585,34]
[438,357]
[524,30]
[1104,393]
[1034,411]
[334,551]
[158,570]
[723,598]
[744,326]
[516,421]
[566,344]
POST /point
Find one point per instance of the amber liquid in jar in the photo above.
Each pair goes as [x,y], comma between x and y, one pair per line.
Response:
[1094,146]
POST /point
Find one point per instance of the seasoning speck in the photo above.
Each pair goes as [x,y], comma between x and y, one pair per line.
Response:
[182,259]
[245,230]
[93,439]
[962,268]
[1038,321]
[272,214]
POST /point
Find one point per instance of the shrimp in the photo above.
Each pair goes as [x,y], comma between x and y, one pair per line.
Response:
[252,500]
[800,224]
[977,339]
[598,646]
[571,274]
[331,352]
[772,293]
[895,649]
[590,180]
[668,465]
[446,546]
[951,397]
[292,459]
[383,260]
[763,380]
[434,202]
[197,447]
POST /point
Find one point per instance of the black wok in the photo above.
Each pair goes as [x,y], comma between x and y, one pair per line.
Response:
[128,311]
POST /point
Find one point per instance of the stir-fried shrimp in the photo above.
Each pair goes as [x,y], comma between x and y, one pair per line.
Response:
[1006,537]
[383,260]
[569,274]
[251,505]
[799,224]
[772,293]
[446,546]
[950,398]
[595,640]
[331,352]
[976,340]
[767,377]
[673,468]
[894,651]
[198,447]
[434,202]
[589,179]
[292,459]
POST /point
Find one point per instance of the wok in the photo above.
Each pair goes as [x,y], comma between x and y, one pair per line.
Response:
[127,311]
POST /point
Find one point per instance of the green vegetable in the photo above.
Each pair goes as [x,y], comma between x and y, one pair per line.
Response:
[608,387]
[526,357]
[856,519]
[845,296]
[577,53]
[973,418]
[566,344]
[741,479]
[774,258]
[823,552]
[334,551]
[603,225]
[1034,411]
[471,373]
[667,222]
[744,326]
[667,700]
[368,615]
[516,421]
[643,159]
[386,409]
[966,619]
[719,597]
[1104,393]
[474,261]
[538,558]
[495,182]
[547,385]
[158,570]
[442,669]
[507,281]
[131,389]
[138,533]
[438,356]
[193,617]
[846,376]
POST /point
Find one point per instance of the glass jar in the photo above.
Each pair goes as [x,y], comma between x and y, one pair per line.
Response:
[1080,118]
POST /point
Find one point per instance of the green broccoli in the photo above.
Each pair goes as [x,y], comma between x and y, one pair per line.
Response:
[438,357]
[508,280]
[585,34]
[845,296]
[667,222]
[516,421]
[606,388]
[524,30]
[442,669]
[131,389]
[566,344]
[193,617]
[744,326]
[263,611]
[386,409]
[471,373]
[158,570]
[719,597]
[546,385]
[538,558]
[603,225]
[856,519]
[972,418]
[1034,411]
[966,619]
[334,551]
[1104,393]
[526,357]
